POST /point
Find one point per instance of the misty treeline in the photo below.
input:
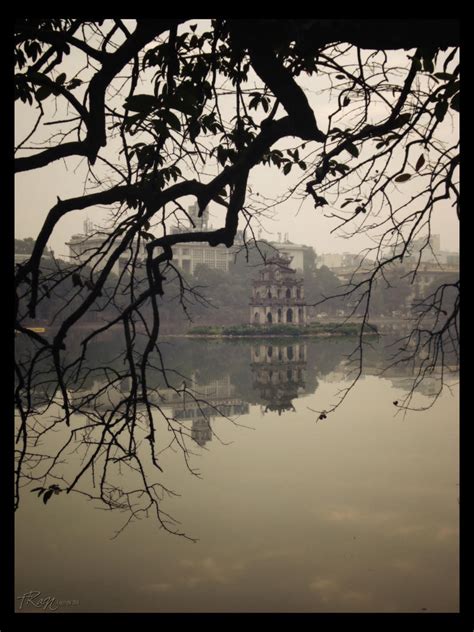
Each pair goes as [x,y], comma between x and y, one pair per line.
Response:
[358,117]
[222,297]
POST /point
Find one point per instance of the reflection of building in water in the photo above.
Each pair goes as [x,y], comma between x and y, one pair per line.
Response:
[201,431]
[279,374]
[429,386]
[277,295]
[403,376]
[201,403]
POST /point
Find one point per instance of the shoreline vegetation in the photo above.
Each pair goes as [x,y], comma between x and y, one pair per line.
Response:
[277,331]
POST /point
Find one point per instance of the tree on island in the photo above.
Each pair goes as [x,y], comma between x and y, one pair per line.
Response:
[167,109]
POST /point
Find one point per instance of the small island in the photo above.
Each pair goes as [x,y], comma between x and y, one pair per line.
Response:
[278,309]
[280,330]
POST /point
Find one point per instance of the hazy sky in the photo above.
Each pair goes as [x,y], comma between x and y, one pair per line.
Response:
[36,192]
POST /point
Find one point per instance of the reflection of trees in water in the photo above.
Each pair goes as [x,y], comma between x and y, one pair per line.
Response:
[382,359]
[98,455]
[204,365]
[269,372]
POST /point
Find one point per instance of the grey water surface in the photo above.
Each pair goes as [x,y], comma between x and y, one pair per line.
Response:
[357,512]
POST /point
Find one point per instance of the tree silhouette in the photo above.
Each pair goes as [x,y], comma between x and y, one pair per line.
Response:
[163,109]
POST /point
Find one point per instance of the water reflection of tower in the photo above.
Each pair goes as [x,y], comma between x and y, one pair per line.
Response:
[279,374]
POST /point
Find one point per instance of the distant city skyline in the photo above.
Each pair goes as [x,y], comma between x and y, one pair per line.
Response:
[58,243]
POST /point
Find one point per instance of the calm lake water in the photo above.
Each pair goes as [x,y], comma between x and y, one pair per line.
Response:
[354,513]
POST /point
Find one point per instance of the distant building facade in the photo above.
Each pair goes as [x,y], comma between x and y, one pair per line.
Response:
[88,246]
[295,251]
[91,247]
[330,260]
[190,255]
[428,250]
[277,294]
